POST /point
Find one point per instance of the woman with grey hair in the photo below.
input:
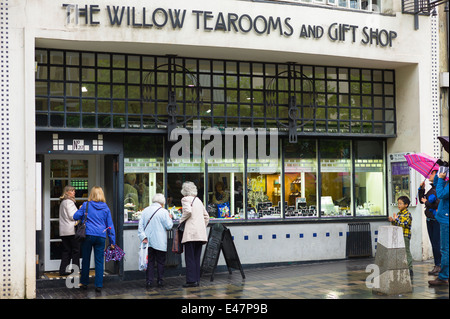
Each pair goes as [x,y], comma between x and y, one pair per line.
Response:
[154,223]
[194,235]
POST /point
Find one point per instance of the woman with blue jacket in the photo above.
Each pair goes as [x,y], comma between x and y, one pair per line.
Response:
[442,218]
[98,225]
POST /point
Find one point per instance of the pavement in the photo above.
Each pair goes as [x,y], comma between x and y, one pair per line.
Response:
[342,279]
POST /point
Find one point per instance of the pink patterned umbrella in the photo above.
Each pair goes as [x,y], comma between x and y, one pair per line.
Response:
[422,163]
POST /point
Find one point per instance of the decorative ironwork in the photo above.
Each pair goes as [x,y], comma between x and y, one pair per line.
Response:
[297,110]
[149,87]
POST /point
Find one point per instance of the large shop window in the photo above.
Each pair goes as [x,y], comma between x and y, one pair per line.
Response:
[180,171]
[264,184]
[370,186]
[336,182]
[144,173]
[300,179]
[226,193]
[310,179]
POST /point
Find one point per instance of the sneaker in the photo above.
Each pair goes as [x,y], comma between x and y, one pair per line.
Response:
[438,282]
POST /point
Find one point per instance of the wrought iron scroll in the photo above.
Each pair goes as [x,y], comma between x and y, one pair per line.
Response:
[300,113]
[190,83]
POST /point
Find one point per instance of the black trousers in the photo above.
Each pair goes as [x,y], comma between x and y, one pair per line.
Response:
[192,253]
[70,251]
[160,258]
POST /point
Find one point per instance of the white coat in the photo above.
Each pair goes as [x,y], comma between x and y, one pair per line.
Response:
[156,230]
[196,217]
[66,223]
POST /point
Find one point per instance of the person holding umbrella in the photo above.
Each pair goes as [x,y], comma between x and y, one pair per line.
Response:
[441,183]
[431,202]
[442,217]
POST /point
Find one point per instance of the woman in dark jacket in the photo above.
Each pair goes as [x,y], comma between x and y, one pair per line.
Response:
[431,202]
[98,225]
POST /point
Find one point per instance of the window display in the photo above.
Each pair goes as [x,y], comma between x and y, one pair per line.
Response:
[300,179]
[319,179]
[264,189]
[144,174]
[369,178]
[336,181]
[226,184]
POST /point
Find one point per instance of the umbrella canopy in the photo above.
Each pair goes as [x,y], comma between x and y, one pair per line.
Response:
[444,142]
[422,163]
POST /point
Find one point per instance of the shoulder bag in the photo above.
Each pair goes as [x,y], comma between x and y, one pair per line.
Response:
[80,229]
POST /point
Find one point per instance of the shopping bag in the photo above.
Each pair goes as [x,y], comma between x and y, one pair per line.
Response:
[114,254]
[143,257]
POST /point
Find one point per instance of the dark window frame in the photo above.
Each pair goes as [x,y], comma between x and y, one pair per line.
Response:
[370,111]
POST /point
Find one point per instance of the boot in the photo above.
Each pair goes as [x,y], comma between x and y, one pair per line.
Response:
[435,271]
[438,282]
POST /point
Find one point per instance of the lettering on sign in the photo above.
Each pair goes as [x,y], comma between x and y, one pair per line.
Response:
[78,145]
[224,22]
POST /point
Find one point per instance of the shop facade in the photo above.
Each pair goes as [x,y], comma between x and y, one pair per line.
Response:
[288,116]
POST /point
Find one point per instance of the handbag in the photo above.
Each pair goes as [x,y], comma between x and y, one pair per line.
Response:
[177,246]
[80,229]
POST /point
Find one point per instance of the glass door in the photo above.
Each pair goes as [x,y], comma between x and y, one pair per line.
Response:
[60,171]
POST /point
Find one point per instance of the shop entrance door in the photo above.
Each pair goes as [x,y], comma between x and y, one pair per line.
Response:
[61,170]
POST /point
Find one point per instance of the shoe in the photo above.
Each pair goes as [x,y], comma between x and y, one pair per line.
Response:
[84,287]
[435,271]
[160,283]
[190,284]
[65,273]
[148,285]
[438,282]
[98,289]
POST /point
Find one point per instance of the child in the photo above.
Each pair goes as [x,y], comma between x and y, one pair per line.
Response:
[404,220]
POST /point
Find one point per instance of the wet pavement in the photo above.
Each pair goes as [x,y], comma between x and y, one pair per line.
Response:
[345,279]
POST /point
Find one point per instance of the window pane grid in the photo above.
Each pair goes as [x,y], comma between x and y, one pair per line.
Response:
[120,91]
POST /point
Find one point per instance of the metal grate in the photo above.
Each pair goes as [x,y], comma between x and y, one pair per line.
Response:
[435,85]
[420,6]
[359,240]
[5,213]
[110,92]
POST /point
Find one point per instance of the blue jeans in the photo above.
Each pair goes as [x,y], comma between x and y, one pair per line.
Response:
[98,243]
[443,274]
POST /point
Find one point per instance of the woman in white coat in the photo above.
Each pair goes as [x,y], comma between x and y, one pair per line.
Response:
[194,236]
[152,230]
[70,246]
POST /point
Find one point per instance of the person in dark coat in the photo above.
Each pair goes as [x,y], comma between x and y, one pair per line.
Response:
[431,202]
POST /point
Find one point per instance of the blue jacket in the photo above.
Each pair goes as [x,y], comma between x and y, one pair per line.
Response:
[156,231]
[99,221]
[442,194]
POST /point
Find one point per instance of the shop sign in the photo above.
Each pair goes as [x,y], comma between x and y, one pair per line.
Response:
[224,22]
